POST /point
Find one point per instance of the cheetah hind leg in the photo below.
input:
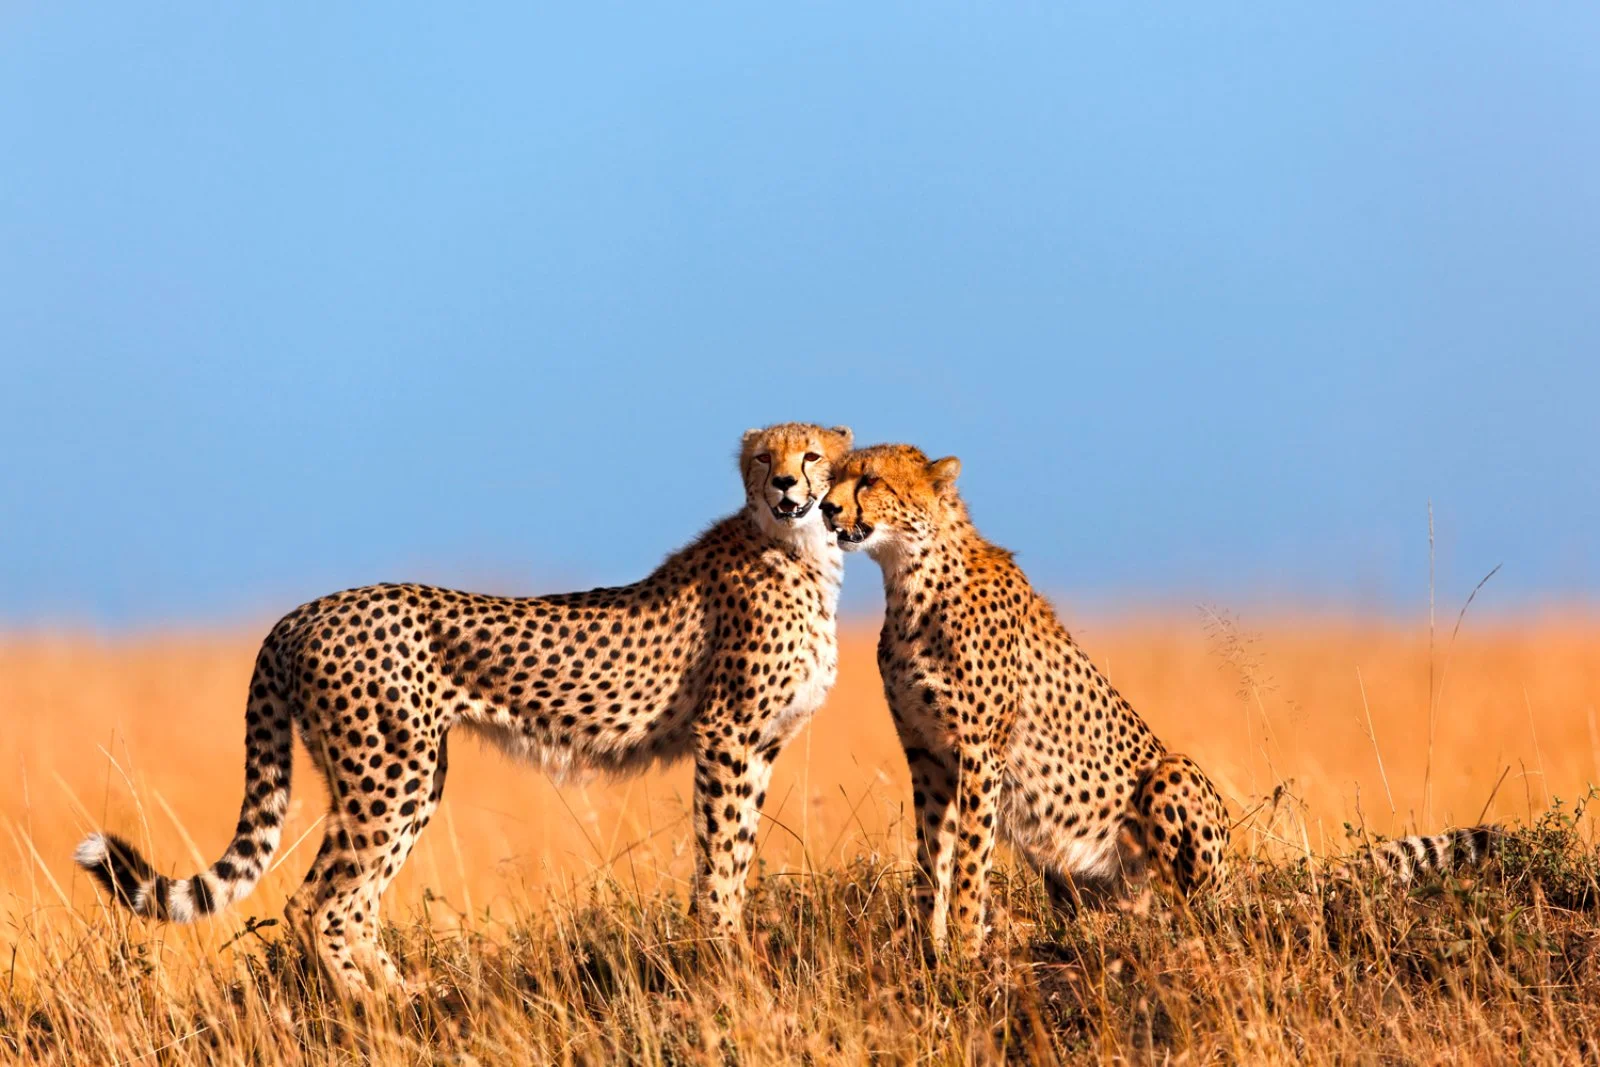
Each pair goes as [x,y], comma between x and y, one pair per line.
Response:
[320,912]
[336,910]
[390,838]
[1177,827]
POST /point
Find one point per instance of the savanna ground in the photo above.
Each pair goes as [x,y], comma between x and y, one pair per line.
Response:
[549,921]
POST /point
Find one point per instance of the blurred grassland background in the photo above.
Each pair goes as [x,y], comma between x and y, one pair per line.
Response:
[1305,725]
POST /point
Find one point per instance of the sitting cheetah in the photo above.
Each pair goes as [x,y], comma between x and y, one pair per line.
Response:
[1005,722]
[724,652]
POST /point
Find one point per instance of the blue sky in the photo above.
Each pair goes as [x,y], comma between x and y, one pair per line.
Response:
[1211,301]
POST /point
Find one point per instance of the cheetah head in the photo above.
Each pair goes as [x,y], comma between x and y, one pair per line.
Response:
[890,497]
[787,468]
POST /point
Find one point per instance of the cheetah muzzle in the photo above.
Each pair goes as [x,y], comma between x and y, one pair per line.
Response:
[787,510]
[850,537]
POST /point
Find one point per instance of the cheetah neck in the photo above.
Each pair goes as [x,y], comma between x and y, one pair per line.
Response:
[814,544]
[810,542]
[913,576]
[950,554]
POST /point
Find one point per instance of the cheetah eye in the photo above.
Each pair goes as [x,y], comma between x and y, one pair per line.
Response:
[866,481]
[812,457]
[764,457]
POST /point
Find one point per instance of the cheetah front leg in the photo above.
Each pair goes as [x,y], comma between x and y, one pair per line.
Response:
[978,790]
[933,797]
[730,785]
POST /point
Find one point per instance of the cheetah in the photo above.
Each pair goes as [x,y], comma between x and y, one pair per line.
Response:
[1007,726]
[1010,730]
[724,652]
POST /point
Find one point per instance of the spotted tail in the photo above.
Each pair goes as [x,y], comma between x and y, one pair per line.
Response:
[269,750]
[1406,858]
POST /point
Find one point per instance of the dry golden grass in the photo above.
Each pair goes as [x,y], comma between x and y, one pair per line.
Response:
[551,916]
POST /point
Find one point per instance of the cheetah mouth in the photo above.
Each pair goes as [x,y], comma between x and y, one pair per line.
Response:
[852,536]
[787,510]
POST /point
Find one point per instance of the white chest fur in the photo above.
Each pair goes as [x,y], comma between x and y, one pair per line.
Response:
[820,672]
[818,661]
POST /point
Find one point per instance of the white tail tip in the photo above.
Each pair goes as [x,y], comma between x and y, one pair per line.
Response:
[92,851]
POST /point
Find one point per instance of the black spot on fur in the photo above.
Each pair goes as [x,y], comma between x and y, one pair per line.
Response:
[200,891]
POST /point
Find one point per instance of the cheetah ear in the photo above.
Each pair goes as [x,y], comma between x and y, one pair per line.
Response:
[750,436]
[944,473]
[848,437]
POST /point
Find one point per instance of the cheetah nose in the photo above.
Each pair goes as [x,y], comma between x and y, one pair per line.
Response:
[784,481]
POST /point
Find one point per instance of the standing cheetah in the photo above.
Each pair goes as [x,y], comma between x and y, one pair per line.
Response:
[724,652]
[1005,722]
